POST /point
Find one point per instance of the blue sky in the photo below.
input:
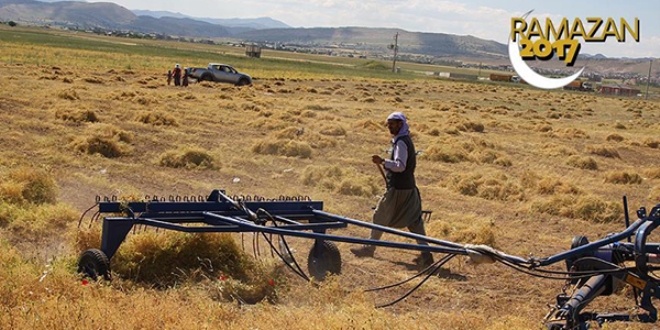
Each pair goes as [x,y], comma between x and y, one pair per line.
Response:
[480,18]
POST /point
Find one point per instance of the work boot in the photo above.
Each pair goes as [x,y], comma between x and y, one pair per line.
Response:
[424,260]
[364,251]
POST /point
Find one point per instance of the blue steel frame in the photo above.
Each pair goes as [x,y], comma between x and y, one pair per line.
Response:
[218,214]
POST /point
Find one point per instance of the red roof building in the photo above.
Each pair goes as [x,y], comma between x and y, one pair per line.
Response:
[619,89]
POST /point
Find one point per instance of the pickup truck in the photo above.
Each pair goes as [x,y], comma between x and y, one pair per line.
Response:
[220,73]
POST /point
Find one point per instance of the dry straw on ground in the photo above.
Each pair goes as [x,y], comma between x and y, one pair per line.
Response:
[503,165]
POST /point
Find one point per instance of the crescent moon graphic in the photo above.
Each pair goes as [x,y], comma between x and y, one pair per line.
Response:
[530,76]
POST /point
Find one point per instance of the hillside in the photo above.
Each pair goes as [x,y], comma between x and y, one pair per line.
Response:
[68,13]
[177,27]
[249,23]
[105,16]
[437,44]
[112,16]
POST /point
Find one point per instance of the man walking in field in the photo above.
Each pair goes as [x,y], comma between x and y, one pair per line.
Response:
[401,206]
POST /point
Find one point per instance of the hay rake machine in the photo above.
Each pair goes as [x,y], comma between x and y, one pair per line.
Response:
[593,269]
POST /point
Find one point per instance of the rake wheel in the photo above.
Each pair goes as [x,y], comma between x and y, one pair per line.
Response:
[93,263]
[324,257]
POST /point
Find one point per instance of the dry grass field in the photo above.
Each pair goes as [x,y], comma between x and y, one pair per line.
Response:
[520,169]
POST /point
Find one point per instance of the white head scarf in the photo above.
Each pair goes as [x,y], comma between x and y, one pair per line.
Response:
[405,130]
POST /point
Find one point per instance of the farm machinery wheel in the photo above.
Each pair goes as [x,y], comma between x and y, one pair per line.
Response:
[94,263]
[324,257]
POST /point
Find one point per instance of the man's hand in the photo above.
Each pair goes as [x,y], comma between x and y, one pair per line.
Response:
[377,159]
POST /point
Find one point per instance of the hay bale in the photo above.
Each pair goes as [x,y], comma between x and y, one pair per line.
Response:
[369,125]
[187,158]
[491,157]
[620,126]
[446,153]
[614,137]
[585,163]
[595,209]
[543,128]
[623,178]
[157,119]
[494,186]
[106,146]
[308,114]
[654,195]
[165,259]
[93,80]
[463,124]
[603,151]
[551,149]
[358,185]
[333,130]
[77,116]
[573,133]
[283,148]
[652,143]
[37,223]
[558,205]
[551,186]
[314,140]
[472,229]
[28,185]
[322,176]
[652,173]
[68,94]
[106,140]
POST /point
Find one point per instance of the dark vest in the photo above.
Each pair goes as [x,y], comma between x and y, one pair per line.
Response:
[405,179]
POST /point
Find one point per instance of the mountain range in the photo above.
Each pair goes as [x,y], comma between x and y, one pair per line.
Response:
[110,16]
[248,23]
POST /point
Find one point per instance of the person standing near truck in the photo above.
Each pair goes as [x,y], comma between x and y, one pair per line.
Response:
[177,75]
[184,82]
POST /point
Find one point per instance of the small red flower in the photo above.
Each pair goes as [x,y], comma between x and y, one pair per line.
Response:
[271,282]
[223,278]
[85,282]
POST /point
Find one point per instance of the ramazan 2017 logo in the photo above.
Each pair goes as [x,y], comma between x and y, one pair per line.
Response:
[535,40]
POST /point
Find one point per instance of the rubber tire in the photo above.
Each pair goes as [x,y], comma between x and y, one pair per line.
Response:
[206,77]
[324,258]
[579,241]
[242,82]
[576,242]
[93,263]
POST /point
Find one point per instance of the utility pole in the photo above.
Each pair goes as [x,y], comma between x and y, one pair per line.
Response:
[648,80]
[395,47]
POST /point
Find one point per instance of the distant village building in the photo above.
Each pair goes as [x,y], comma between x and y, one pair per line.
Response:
[619,89]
